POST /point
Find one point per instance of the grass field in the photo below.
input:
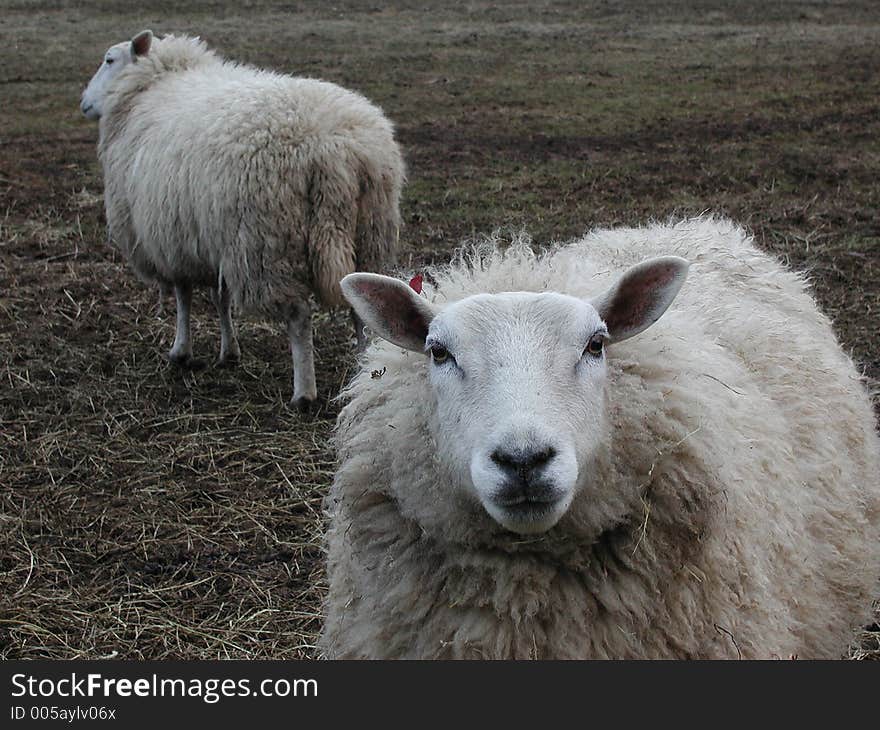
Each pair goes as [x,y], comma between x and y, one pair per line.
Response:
[147,512]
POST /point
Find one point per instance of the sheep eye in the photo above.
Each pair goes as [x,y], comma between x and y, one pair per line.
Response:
[439,354]
[109,61]
[595,346]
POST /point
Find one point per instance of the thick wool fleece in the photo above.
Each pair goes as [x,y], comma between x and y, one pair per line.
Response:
[733,510]
[279,185]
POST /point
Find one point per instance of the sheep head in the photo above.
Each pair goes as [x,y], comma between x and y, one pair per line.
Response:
[518,380]
[115,59]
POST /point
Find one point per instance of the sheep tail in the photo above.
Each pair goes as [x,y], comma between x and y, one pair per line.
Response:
[332,227]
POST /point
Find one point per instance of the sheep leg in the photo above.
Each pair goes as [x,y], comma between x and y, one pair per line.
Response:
[359,331]
[230,353]
[164,293]
[181,350]
[299,330]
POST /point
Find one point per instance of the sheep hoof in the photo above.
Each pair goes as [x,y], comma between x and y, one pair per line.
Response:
[229,360]
[186,361]
[304,404]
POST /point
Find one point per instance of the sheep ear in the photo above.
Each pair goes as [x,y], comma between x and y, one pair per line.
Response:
[390,308]
[140,44]
[641,296]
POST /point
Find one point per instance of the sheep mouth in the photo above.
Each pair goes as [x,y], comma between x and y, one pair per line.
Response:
[526,495]
[527,515]
[525,502]
[526,506]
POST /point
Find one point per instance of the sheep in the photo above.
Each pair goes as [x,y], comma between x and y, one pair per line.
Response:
[522,474]
[264,187]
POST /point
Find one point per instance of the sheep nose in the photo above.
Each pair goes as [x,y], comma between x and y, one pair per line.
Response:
[522,462]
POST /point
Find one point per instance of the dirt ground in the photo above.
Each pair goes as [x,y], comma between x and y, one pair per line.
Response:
[147,512]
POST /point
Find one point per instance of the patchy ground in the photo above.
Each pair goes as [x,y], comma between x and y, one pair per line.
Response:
[146,512]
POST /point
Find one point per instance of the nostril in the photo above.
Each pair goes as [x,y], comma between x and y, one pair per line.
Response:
[503,458]
[542,457]
[522,460]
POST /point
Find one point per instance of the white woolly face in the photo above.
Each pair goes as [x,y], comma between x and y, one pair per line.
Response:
[519,381]
[115,60]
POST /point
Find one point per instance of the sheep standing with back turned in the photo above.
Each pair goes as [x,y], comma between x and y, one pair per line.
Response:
[263,187]
[544,471]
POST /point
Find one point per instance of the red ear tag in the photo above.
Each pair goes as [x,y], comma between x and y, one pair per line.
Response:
[416,283]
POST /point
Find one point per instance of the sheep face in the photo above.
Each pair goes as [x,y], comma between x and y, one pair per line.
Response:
[518,380]
[115,60]
[518,383]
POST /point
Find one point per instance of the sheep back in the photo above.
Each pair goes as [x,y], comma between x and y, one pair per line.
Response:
[280,185]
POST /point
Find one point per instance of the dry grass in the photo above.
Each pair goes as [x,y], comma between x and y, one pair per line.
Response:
[151,513]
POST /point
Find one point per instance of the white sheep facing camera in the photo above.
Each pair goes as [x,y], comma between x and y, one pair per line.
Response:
[522,378]
[598,452]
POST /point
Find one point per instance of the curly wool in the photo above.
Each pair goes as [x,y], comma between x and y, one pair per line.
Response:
[278,185]
[733,511]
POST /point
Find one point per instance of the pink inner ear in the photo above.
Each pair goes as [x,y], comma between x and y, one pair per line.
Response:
[636,300]
[396,309]
[141,44]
